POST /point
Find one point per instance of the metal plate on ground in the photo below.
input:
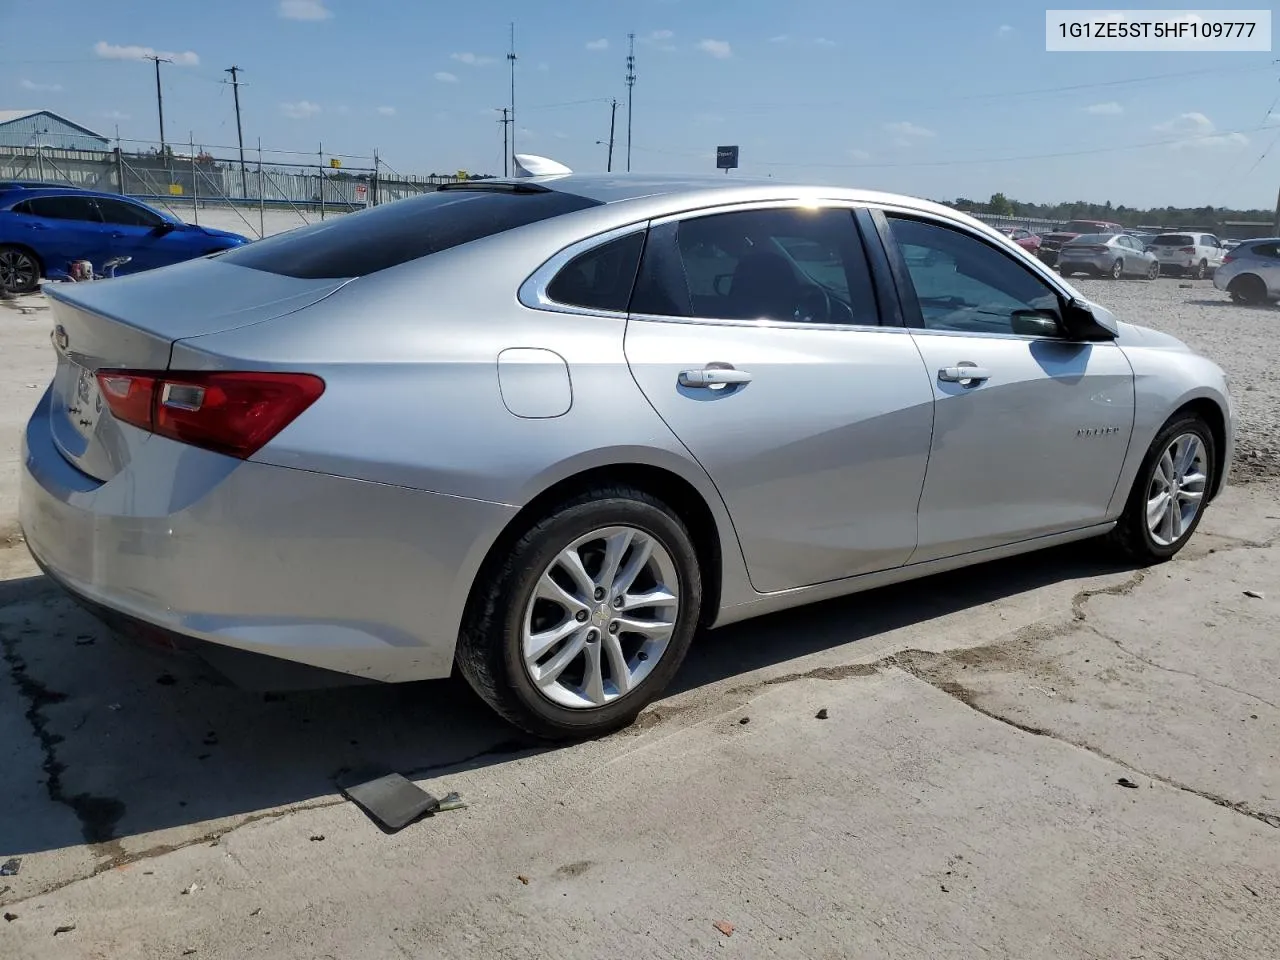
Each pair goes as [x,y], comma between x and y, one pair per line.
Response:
[389,798]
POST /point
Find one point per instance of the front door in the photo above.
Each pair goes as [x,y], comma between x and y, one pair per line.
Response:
[134,232]
[1030,428]
[756,336]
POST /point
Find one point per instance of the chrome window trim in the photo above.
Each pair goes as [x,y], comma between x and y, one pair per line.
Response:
[533,291]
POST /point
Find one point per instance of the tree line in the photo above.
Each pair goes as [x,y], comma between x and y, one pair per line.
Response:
[1210,217]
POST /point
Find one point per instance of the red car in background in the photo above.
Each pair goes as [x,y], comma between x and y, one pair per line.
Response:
[1024,238]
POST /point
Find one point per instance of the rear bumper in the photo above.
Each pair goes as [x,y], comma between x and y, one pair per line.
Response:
[1100,264]
[358,578]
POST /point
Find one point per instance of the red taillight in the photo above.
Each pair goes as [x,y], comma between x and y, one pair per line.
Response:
[1186,249]
[1228,258]
[232,413]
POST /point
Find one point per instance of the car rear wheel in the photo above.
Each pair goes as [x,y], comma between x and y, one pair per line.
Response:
[1117,270]
[584,620]
[1248,288]
[19,270]
[1153,270]
[1169,495]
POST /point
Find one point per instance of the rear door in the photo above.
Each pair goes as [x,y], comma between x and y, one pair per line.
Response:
[63,229]
[757,335]
[1030,429]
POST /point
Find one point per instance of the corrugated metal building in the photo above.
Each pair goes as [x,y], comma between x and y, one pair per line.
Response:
[30,128]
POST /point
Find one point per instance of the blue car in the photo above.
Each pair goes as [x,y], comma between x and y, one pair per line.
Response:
[43,231]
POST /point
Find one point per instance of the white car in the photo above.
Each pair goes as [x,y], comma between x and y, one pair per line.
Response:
[1192,254]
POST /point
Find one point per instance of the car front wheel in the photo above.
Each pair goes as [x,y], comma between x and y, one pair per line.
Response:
[1153,270]
[19,270]
[1117,270]
[584,620]
[1169,494]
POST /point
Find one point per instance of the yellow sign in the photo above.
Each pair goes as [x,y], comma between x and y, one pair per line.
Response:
[335,163]
[175,189]
[462,174]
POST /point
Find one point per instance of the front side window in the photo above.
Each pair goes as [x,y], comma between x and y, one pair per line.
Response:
[601,278]
[787,264]
[963,284]
[127,214]
[63,208]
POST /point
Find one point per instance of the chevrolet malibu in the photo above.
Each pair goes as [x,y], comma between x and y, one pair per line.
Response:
[545,428]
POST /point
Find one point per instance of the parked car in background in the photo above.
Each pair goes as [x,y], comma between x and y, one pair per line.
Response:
[1143,238]
[1190,254]
[1024,238]
[1251,271]
[535,465]
[43,231]
[1113,255]
[1230,244]
[1050,243]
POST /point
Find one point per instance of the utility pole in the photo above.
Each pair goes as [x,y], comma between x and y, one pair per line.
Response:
[631,82]
[613,116]
[159,98]
[235,89]
[511,59]
[506,156]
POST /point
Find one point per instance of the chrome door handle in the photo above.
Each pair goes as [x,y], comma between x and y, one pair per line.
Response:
[962,372]
[713,377]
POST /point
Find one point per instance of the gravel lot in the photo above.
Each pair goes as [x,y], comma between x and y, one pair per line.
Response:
[1241,340]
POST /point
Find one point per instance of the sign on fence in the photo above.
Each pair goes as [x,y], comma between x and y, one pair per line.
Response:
[726,158]
[362,193]
[175,189]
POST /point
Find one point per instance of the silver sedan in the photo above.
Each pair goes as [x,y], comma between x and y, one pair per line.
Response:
[546,428]
[1113,255]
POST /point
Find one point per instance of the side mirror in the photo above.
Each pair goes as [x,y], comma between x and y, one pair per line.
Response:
[165,227]
[1036,323]
[1085,322]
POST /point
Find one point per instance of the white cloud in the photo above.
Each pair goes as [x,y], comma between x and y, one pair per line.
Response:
[857,154]
[444,76]
[111,51]
[780,38]
[661,39]
[304,10]
[824,42]
[40,87]
[601,44]
[115,115]
[1213,142]
[300,110]
[907,131]
[387,111]
[471,59]
[1198,132]
[661,35]
[1004,30]
[719,49]
[1108,109]
[1188,123]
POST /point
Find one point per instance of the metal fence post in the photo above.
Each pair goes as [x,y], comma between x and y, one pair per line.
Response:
[322,181]
[119,171]
[262,230]
[195,184]
[373,184]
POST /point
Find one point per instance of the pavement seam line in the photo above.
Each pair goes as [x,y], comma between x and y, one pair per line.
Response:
[958,693]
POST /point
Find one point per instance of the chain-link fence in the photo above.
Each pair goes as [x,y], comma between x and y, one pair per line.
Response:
[191,177]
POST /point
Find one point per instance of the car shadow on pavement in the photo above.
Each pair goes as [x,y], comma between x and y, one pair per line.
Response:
[109,740]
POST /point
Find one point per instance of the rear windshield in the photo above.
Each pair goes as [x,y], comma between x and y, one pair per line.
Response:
[1081,226]
[1173,240]
[359,244]
[1094,238]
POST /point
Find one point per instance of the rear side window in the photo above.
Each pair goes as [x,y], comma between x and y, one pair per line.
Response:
[358,244]
[1271,250]
[1174,240]
[63,208]
[601,278]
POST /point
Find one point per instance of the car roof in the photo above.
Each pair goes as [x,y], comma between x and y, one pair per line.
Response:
[9,196]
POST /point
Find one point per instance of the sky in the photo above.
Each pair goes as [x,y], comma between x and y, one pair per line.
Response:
[934,98]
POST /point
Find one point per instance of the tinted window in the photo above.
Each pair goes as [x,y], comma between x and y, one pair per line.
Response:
[600,279]
[63,208]
[362,243]
[785,264]
[1082,226]
[127,214]
[963,284]
[1265,250]
[1173,240]
[1093,238]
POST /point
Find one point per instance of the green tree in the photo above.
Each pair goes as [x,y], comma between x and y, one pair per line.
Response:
[999,205]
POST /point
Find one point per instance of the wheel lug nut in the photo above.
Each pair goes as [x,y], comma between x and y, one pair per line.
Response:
[642,656]
[613,627]
[582,616]
[599,593]
[592,636]
[617,602]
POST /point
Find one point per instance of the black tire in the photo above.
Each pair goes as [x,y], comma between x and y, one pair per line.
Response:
[489,652]
[1202,270]
[1117,270]
[1153,271]
[1248,288]
[1131,535]
[19,269]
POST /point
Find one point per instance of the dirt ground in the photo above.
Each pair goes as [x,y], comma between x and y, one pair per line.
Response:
[1050,756]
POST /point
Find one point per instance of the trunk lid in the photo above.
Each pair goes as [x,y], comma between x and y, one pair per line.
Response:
[132,322]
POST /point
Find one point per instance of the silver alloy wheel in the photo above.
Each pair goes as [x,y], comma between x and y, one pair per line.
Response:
[1117,270]
[18,271]
[600,618]
[1177,489]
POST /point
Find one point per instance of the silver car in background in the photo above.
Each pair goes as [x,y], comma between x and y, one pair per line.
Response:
[546,428]
[1250,272]
[1113,255]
